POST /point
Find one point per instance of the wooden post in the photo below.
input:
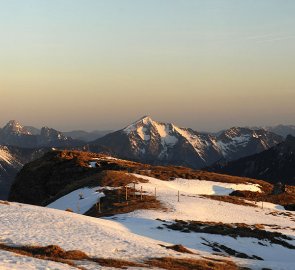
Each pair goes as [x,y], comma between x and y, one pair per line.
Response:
[178,195]
[119,194]
[78,208]
[141,193]
[126,193]
[98,206]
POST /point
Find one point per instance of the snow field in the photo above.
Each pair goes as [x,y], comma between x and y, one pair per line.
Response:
[74,201]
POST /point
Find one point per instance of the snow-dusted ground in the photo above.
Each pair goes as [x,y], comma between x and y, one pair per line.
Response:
[135,236]
[191,206]
[79,201]
[31,225]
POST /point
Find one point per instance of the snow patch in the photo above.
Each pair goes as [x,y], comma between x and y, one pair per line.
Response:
[80,200]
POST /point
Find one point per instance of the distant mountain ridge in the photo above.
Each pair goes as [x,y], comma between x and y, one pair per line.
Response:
[86,136]
[12,160]
[15,134]
[164,143]
[276,164]
[283,130]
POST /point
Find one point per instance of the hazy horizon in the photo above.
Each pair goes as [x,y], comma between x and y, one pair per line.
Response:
[208,65]
[97,128]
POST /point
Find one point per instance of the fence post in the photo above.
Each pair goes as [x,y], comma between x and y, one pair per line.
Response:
[141,193]
[126,193]
[178,195]
[78,207]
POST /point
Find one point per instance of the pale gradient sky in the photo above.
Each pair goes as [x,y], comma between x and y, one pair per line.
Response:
[101,64]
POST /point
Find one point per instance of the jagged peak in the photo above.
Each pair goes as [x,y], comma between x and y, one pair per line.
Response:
[14,126]
[143,121]
[13,123]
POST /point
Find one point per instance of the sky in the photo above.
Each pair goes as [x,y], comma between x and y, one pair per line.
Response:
[102,64]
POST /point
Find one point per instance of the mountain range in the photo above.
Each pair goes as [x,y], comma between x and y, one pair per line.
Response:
[145,140]
[276,164]
[14,134]
[149,141]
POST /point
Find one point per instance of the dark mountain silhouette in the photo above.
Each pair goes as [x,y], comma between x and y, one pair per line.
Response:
[12,160]
[276,164]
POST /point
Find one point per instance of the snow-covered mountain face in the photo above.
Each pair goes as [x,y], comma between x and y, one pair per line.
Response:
[10,164]
[15,134]
[160,143]
[236,142]
[274,165]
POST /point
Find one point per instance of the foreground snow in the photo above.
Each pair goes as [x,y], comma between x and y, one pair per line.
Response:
[191,206]
[137,235]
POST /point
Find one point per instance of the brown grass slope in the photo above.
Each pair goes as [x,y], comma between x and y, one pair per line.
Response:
[60,172]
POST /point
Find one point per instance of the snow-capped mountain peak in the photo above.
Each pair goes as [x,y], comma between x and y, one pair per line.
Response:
[13,127]
[142,122]
[155,142]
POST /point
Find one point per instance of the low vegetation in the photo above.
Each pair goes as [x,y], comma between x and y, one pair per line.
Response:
[233,230]
[171,263]
[286,199]
[178,248]
[4,202]
[72,258]
[115,203]
[49,253]
[216,247]
[229,199]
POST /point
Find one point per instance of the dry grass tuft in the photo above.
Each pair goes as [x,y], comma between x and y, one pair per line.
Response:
[286,199]
[4,202]
[170,263]
[57,254]
[229,199]
[49,253]
[116,263]
[178,248]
